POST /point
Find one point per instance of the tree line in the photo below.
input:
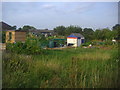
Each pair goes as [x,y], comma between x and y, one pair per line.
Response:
[89,33]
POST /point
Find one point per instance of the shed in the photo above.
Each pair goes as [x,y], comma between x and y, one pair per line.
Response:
[75,39]
[54,42]
[44,32]
[13,36]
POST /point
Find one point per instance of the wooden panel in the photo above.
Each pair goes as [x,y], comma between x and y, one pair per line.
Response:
[20,36]
[16,36]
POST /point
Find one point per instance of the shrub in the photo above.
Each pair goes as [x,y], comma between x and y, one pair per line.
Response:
[31,46]
[86,44]
[108,42]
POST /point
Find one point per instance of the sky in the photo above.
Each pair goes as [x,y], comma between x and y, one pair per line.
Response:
[48,15]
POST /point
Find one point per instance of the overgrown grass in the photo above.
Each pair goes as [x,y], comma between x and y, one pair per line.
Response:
[69,68]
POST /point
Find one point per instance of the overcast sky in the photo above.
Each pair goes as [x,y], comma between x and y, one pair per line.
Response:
[51,14]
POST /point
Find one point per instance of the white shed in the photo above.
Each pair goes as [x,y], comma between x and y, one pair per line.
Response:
[75,39]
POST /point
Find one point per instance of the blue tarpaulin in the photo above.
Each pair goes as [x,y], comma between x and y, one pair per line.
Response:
[74,36]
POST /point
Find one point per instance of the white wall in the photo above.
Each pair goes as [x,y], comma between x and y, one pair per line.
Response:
[73,41]
[78,42]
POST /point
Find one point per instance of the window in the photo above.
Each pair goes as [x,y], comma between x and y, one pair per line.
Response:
[70,44]
[10,36]
[82,40]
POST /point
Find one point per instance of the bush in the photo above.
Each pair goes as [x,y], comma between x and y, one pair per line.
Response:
[31,46]
[15,47]
[86,44]
[108,42]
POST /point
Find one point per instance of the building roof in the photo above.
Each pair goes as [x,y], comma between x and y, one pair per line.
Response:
[75,35]
[17,30]
[41,30]
[5,26]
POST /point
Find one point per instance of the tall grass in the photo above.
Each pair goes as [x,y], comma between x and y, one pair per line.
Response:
[69,68]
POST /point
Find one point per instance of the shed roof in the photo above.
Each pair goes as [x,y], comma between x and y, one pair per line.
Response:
[75,35]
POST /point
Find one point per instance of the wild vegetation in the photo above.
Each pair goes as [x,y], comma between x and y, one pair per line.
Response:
[28,65]
[69,68]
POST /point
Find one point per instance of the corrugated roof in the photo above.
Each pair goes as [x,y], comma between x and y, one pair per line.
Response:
[75,35]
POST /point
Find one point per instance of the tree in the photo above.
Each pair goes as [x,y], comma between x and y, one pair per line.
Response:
[60,30]
[116,31]
[73,29]
[19,28]
[14,27]
[88,33]
[27,28]
[97,34]
[104,34]
[116,27]
[107,34]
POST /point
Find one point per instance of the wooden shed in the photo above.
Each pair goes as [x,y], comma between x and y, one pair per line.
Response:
[75,39]
[13,36]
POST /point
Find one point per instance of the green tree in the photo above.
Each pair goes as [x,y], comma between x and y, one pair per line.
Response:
[14,27]
[19,28]
[27,28]
[108,34]
[60,30]
[97,34]
[116,27]
[88,34]
[73,29]
[104,34]
[116,31]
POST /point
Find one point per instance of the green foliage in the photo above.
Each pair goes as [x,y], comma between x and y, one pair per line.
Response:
[86,44]
[98,42]
[31,46]
[116,27]
[27,27]
[89,33]
[73,29]
[60,30]
[14,27]
[19,67]
[108,42]
[105,34]
[70,68]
